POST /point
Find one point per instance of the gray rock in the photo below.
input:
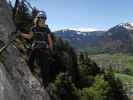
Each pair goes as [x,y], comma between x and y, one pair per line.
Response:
[16,80]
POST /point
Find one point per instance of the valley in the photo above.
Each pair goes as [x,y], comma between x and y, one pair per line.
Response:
[111,49]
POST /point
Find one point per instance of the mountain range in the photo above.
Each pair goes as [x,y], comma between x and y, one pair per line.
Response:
[118,38]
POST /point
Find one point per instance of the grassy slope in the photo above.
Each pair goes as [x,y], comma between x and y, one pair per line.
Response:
[125,78]
[117,61]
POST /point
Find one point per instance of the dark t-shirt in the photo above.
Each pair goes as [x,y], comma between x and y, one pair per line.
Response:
[40,34]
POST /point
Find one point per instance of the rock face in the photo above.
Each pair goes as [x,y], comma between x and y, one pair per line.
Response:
[16,80]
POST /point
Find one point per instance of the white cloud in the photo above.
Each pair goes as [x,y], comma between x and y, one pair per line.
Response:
[131,23]
[83,29]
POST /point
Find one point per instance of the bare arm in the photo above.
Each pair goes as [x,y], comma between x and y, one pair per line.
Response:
[50,41]
[27,36]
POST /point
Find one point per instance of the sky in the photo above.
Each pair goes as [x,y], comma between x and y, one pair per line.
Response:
[86,15]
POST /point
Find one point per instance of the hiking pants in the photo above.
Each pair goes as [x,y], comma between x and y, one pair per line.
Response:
[40,56]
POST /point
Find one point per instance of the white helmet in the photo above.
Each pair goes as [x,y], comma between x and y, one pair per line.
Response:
[42,15]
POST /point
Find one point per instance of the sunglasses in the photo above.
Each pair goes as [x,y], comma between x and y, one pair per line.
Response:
[41,17]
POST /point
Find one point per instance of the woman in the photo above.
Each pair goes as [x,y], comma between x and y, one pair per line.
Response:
[42,42]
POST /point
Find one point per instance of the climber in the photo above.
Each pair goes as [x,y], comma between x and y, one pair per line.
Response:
[42,43]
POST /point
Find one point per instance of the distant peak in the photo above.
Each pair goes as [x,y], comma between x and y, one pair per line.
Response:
[128,26]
